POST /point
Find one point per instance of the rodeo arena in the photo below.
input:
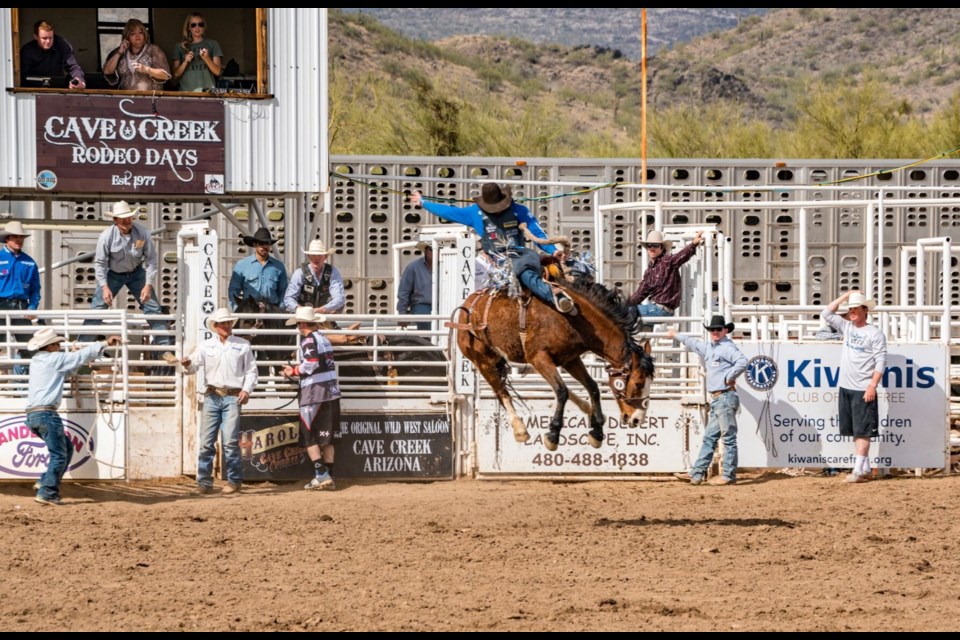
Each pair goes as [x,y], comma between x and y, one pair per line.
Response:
[780,241]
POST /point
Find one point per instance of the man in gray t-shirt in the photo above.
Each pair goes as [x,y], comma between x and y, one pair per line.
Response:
[862,365]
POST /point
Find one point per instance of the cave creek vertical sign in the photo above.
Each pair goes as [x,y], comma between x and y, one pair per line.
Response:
[101,144]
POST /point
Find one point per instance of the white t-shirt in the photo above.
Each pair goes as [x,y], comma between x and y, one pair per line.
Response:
[864,352]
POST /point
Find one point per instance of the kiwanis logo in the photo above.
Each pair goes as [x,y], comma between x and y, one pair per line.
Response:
[761,373]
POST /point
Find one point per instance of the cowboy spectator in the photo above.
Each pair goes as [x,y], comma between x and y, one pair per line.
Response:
[260,276]
[415,291]
[230,372]
[722,362]
[48,369]
[315,284]
[127,257]
[19,280]
[661,281]
[862,365]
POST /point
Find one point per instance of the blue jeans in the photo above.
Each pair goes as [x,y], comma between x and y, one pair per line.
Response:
[652,310]
[422,308]
[722,423]
[134,281]
[526,266]
[223,415]
[49,426]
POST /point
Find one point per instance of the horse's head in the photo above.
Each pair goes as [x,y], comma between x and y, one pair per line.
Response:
[630,384]
[251,306]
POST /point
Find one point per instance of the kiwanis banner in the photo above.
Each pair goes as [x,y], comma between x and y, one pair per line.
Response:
[788,414]
[101,144]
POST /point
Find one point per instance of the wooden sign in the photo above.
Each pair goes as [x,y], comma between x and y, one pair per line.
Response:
[106,144]
[367,446]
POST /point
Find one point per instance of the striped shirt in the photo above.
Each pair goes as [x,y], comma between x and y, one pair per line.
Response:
[317,370]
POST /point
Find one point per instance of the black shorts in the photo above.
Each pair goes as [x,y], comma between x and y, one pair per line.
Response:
[319,423]
[858,418]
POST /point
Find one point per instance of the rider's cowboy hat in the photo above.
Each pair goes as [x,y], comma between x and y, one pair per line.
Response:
[656,237]
[12,228]
[423,245]
[221,315]
[306,314]
[262,235]
[719,322]
[857,299]
[122,210]
[317,248]
[43,338]
[493,199]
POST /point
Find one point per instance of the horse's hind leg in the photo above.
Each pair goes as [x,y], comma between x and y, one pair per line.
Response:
[494,370]
[546,367]
[577,369]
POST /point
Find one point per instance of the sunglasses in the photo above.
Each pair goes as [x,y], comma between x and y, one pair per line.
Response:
[654,246]
[196,24]
[715,330]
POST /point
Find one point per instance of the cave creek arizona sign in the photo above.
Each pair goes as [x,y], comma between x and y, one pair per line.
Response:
[100,144]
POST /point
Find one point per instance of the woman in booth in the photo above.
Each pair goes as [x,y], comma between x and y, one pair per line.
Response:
[137,65]
[196,58]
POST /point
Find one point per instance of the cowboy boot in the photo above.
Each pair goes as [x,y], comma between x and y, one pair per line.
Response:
[563,302]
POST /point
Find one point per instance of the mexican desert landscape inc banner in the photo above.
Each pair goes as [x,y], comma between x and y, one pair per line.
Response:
[100,144]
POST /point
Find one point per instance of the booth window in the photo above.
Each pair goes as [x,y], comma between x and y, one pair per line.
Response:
[95,32]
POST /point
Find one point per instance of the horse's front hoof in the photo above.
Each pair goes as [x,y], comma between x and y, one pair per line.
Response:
[594,441]
[550,441]
[521,436]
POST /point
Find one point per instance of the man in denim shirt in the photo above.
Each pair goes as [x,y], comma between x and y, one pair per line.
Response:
[260,276]
[723,362]
[48,369]
[127,257]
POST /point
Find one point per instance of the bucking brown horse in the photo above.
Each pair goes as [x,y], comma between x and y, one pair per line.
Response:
[495,329]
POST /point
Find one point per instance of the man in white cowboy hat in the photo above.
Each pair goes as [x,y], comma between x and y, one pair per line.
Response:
[127,257]
[723,363]
[319,393]
[260,276]
[230,373]
[661,281]
[862,364]
[49,368]
[19,279]
[496,218]
[415,291]
[316,283]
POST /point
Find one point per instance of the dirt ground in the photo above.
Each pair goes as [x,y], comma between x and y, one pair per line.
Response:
[772,553]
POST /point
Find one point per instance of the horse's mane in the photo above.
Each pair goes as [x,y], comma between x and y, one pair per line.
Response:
[612,303]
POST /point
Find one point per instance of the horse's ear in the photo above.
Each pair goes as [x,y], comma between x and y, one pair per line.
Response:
[647,347]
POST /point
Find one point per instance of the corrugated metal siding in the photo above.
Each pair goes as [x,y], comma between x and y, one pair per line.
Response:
[279,145]
[273,146]
[17,119]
